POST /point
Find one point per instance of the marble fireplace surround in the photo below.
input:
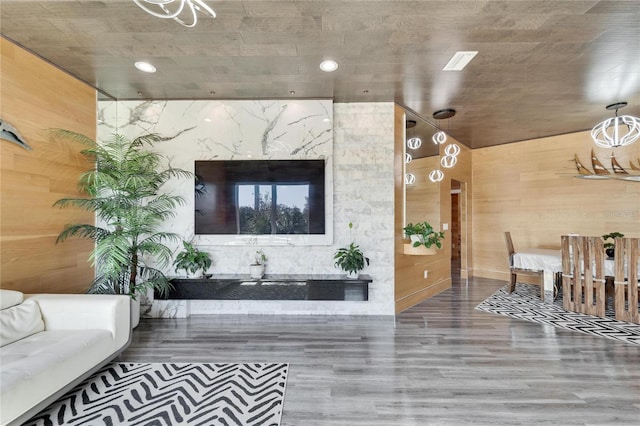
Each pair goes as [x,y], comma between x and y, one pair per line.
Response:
[356,142]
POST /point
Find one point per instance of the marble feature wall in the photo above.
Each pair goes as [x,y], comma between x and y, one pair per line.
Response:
[356,140]
[228,130]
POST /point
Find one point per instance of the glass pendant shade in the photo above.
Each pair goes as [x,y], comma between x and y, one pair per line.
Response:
[452,150]
[407,158]
[448,161]
[436,175]
[409,179]
[439,138]
[414,143]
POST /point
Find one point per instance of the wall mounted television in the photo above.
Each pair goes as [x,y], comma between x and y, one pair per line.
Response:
[261,200]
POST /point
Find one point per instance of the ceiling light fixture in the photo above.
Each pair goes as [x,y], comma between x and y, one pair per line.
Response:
[460,60]
[174,9]
[616,131]
[409,179]
[436,175]
[440,137]
[443,114]
[413,142]
[145,67]
[408,158]
[450,156]
[329,65]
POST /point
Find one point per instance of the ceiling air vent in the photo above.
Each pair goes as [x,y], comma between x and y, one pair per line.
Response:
[459,61]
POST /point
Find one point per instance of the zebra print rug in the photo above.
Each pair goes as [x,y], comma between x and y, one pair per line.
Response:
[173,394]
[525,304]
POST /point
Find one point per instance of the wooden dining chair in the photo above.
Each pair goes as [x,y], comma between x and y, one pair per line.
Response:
[537,275]
[627,279]
[583,280]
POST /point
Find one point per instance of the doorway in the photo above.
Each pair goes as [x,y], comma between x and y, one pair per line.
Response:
[458,229]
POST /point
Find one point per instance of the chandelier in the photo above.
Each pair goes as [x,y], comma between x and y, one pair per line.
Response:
[176,10]
[618,130]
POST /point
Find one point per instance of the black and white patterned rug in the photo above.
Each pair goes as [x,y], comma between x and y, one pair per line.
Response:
[174,394]
[525,304]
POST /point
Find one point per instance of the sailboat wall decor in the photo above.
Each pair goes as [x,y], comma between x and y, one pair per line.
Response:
[599,171]
[598,167]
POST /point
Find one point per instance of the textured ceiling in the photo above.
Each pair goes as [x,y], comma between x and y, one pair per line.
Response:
[543,67]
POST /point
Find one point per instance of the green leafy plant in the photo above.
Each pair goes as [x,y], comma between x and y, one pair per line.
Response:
[123,190]
[426,235]
[350,259]
[611,236]
[259,258]
[192,260]
[610,248]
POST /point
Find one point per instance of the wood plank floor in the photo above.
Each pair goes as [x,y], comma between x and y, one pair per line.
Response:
[440,363]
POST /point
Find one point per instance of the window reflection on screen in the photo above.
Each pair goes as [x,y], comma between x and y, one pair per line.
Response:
[272,208]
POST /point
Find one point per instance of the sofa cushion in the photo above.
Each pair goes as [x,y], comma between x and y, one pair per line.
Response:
[37,366]
[20,321]
[9,298]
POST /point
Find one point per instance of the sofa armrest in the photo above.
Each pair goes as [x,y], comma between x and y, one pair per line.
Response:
[87,311]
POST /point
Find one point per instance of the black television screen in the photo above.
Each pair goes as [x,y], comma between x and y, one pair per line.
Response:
[259,197]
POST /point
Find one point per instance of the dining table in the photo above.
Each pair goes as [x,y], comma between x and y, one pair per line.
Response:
[549,261]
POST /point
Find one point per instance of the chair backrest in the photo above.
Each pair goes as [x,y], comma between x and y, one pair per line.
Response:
[626,279]
[510,249]
[583,281]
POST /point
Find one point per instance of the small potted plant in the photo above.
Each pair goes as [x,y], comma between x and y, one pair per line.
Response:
[192,260]
[609,248]
[257,267]
[351,259]
[424,239]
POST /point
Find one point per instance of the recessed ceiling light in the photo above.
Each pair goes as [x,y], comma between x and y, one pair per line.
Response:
[292,92]
[329,65]
[145,67]
[459,61]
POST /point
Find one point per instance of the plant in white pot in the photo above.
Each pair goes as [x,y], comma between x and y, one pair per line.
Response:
[423,238]
[257,267]
[350,259]
[192,260]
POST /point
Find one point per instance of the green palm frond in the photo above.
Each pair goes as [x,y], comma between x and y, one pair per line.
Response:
[82,231]
[68,135]
[123,189]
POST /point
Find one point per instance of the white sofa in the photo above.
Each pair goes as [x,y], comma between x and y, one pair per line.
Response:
[51,342]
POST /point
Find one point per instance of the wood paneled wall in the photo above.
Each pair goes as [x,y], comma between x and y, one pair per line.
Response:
[34,97]
[529,189]
[410,285]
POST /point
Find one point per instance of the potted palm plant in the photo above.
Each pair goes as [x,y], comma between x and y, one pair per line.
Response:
[123,189]
[350,259]
[424,239]
[192,260]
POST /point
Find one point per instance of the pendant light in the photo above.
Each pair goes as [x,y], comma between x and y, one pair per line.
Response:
[616,131]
